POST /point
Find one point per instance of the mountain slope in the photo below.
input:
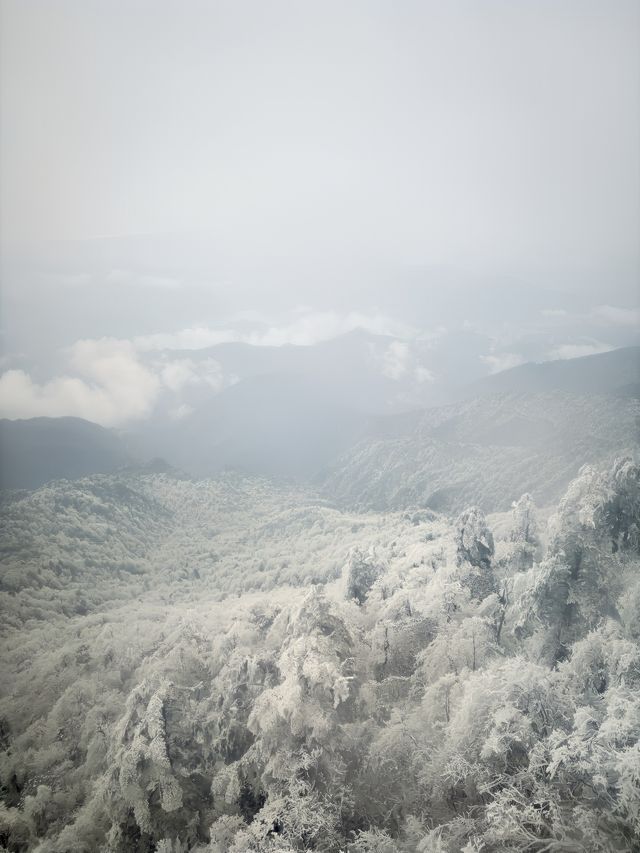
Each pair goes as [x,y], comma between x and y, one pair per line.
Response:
[275,425]
[70,548]
[487,451]
[36,450]
[616,372]
[445,668]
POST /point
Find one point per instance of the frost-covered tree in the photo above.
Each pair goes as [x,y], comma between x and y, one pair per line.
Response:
[523,536]
[362,571]
[475,547]
[461,700]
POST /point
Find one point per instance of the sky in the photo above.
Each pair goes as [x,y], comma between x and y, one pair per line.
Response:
[192,170]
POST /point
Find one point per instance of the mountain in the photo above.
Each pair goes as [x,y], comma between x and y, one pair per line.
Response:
[373,374]
[485,451]
[350,366]
[36,450]
[528,429]
[352,412]
[198,667]
[616,372]
[275,425]
[292,409]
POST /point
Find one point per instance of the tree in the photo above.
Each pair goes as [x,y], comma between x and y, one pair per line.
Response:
[524,533]
[475,548]
[362,572]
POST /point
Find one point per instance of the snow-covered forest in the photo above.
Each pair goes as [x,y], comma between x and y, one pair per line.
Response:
[230,666]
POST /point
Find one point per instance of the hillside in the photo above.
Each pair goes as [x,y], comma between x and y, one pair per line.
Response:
[297,411]
[273,425]
[109,538]
[267,673]
[487,451]
[37,450]
[614,373]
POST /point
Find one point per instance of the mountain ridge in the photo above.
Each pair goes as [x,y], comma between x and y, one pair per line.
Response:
[283,423]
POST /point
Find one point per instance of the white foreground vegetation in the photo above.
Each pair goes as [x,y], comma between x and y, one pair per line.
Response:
[226,667]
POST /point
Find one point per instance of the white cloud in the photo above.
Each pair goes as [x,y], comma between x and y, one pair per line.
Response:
[176,374]
[306,329]
[577,350]
[115,387]
[314,327]
[423,374]
[502,361]
[180,412]
[110,385]
[395,360]
[210,372]
[614,316]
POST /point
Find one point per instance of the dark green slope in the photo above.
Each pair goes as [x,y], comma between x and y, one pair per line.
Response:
[37,450]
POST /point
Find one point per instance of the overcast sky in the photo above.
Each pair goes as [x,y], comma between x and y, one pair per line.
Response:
[197,160]
[488,132]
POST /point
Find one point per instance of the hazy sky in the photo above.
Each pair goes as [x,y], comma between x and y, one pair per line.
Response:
[167,165]
[434,132]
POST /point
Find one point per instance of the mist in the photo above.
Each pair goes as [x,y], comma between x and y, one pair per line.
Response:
[319,426]
[198,164]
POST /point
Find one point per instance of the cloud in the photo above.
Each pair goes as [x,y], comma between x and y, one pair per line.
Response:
[180,412]
[395,360]
[175,375]
[314,327]
[577,350]
[423,374]
[110,386]
[614,316]
[603,315]
[306,329]
[115,387]
[502,361]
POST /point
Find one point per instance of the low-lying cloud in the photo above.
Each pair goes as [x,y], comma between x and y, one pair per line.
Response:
[395,361]
[306,329]
[108,384]
[112,387]
[565,351]
[497,362]
[176,375]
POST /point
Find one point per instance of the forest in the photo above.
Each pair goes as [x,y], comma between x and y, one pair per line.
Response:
[230,665]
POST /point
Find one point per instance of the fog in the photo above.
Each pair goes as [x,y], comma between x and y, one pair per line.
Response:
[286,173]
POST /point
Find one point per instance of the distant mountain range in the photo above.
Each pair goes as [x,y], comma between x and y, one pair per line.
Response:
[272,425]
[616,372]
[322,413]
